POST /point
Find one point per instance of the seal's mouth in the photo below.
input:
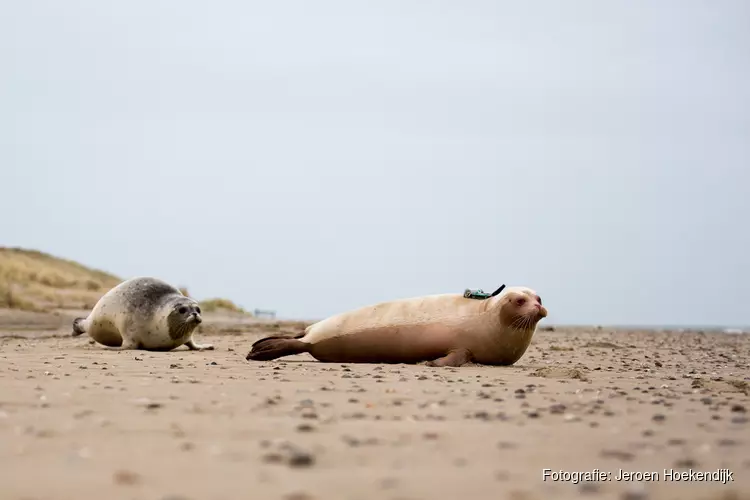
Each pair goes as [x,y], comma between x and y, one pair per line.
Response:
[542,311]
[530,318]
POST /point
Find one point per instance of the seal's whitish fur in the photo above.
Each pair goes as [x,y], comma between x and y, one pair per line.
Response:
[143,313]
[443,330]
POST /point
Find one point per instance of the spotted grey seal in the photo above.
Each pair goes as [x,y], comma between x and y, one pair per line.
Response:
[143,313]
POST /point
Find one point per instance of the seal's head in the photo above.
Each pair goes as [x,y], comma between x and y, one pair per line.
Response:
[520,308]
[184,316]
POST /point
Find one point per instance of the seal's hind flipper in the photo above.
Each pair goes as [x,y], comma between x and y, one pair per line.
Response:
[79,326]
[274,347]
[274,337]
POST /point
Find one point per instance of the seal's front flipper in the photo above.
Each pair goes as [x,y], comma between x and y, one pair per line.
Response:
[128,345]
[453,358]
[198,347]
[270,348]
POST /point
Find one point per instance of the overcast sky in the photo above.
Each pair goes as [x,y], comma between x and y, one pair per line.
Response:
[312,157]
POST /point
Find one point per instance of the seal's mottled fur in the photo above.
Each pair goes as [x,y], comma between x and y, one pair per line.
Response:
[143,313]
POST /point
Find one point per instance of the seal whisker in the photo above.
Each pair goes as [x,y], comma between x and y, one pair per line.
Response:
[520,323]
[516,323]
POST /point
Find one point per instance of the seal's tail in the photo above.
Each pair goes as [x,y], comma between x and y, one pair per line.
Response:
[79,326]
[276,346]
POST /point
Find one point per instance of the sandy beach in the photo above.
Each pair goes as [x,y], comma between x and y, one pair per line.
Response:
[246,169]
[78,421]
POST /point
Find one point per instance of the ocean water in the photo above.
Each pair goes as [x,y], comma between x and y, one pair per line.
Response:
[685,328]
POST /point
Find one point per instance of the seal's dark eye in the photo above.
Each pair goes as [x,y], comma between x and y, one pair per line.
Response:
[520,301]
[182,310]
[198,309]
[540,300]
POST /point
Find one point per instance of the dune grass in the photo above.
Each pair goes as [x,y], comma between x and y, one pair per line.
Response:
[31,280]
[217,305]
[214,305]
[35,281]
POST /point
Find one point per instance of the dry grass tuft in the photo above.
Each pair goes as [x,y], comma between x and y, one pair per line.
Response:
[36,281]
[11,299]
[213,305]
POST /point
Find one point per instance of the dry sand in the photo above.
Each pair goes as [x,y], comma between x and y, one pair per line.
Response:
[81,422]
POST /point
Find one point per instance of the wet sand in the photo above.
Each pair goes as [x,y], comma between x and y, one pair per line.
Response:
[78,421]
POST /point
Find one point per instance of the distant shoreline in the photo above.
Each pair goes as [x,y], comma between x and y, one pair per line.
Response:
[692,328]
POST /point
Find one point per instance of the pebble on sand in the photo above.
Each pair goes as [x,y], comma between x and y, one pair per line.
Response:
[125,477]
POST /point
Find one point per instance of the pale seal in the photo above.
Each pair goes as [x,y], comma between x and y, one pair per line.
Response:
[441,330]
[143,313]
